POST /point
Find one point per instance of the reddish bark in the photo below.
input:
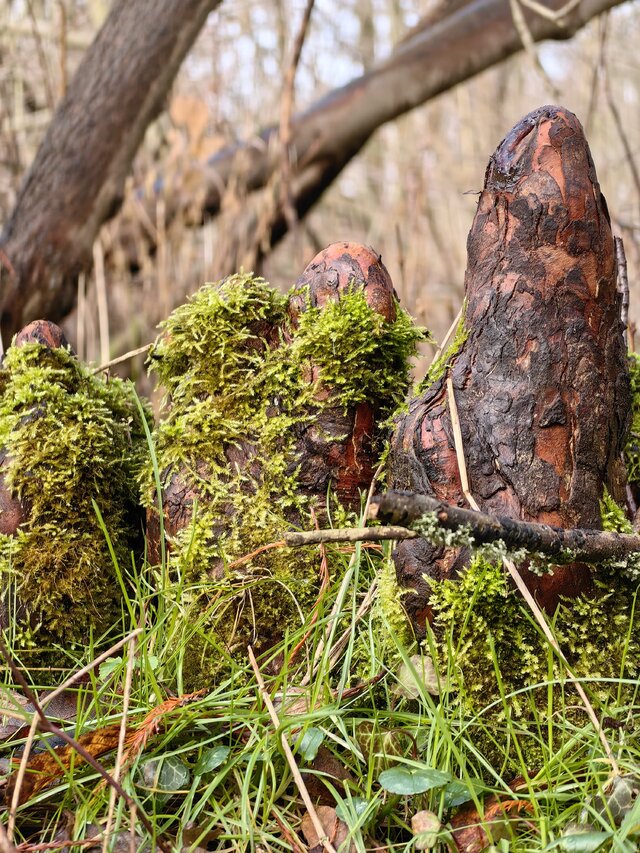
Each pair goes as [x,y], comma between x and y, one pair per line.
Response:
[347,463]
[338,448]
[541,383]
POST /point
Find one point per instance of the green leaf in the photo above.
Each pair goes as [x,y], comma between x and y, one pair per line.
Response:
[350,810]
[455,794]
[583,842]
[165,776]
[108,667]
[211,758]
[408,780]
[310,743]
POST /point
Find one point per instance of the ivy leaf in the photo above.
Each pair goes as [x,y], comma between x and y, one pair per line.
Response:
[211,759]
[165,776]
[408,780]
[310,743]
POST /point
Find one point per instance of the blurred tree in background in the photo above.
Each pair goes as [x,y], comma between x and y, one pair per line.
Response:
[160,164]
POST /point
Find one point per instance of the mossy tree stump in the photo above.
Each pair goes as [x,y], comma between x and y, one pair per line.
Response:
[276,406]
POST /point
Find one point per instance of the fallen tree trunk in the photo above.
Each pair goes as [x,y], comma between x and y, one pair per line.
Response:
[539,370]
[77,179]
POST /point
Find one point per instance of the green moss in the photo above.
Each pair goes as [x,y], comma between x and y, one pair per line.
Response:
[488,640]
[447,357]
[388,605]
[70,438]
[632,447]
[614,518]
[243,383]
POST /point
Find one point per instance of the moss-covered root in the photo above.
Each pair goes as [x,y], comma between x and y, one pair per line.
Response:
[259,425]
[360,381]
[67,438]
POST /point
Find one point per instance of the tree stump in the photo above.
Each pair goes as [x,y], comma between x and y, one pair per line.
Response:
[539,370]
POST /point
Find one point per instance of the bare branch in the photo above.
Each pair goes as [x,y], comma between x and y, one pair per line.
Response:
[586,546]
[402,509]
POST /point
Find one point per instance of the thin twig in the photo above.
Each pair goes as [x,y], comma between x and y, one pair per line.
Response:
[324,583]
[338,647]
[528,43]
[44,65]
[26,847]
[22,769]
[445,341]
[6,845]
[44,724]
[624,139]
[346,580]
[88,667]
[542,622]
[131,354]
[121,737]
[286,111]
[551,15]
[44,702]
[297,776]
[101,293]
[348,534]
[622,283]
[585,546]
[457,440]
[261,550]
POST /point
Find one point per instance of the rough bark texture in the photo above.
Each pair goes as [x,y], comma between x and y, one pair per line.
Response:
[77,179]
[338,449]
[541,382]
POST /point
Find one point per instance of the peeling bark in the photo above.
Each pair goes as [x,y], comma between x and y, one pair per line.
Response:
[338,449]
[541,382]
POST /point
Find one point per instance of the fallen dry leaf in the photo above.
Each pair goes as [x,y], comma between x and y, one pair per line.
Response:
[335,829]
[473,833]
[46,767]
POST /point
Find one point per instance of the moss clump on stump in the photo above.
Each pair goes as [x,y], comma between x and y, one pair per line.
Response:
[69,438]
[247,384]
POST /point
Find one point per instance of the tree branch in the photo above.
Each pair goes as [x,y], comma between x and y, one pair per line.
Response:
[403,509]
[76,181]
[437,55]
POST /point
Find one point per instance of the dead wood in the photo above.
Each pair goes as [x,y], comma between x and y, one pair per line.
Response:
[76,181]
[541,381]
